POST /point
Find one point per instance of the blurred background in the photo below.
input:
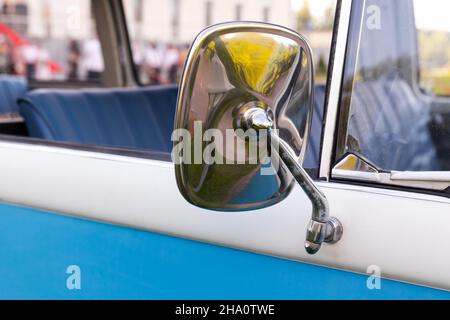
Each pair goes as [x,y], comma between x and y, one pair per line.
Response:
[55,40]
[433,25]
[160,37]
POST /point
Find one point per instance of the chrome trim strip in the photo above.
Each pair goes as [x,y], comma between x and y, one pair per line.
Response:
[384,192]
[357,175]
[433,176]
[335,88]
[437,181]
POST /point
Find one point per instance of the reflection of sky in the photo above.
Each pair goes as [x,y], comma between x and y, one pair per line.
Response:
[432,14]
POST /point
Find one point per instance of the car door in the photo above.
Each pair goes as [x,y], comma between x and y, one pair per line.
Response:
[92,223]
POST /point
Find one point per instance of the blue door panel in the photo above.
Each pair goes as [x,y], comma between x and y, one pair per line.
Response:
[36,249]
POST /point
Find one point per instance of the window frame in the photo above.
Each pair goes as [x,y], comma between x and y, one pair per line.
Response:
[133,69]
[349,64]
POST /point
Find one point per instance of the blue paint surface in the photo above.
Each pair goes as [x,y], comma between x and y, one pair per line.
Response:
[121,263]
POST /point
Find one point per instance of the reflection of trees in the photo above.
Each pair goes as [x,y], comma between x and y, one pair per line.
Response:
[434,61]
[434,48]
[328,18]
[234,71]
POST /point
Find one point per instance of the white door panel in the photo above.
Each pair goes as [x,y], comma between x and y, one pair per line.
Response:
[407,235]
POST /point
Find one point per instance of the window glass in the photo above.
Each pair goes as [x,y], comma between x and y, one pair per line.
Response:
[387,117]
[49,40]
[162,30]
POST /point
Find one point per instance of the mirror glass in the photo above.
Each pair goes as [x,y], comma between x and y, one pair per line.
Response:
[232,69]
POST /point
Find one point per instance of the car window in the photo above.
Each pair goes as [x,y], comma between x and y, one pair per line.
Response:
[50,40]
[138,119]
[162,30]
[389,121]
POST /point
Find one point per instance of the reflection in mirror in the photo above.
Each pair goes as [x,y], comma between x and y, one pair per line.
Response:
[233,70]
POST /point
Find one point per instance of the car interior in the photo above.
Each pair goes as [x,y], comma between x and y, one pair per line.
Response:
[122,114]
[125,115]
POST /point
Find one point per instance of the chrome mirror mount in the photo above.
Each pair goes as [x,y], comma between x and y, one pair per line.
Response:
[243,77]
[322,227]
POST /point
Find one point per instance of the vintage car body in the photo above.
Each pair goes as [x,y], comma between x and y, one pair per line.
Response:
[120,217]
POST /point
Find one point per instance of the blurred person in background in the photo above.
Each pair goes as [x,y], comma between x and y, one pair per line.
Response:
[182,57]
[6,64]
[138,58]
[153,61]
[30,54]
[93,60]
[43,71]
[171,63]
[73,60]
[17,61]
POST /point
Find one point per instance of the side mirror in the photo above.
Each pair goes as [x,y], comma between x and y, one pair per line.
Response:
[243,120]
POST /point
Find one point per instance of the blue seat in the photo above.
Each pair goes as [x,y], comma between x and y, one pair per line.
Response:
[12,88]
[131,118]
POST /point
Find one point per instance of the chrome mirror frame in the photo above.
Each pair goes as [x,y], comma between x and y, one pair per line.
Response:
[252,76]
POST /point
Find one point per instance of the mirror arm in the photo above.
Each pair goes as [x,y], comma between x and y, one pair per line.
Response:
[322,227]
[318,199]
